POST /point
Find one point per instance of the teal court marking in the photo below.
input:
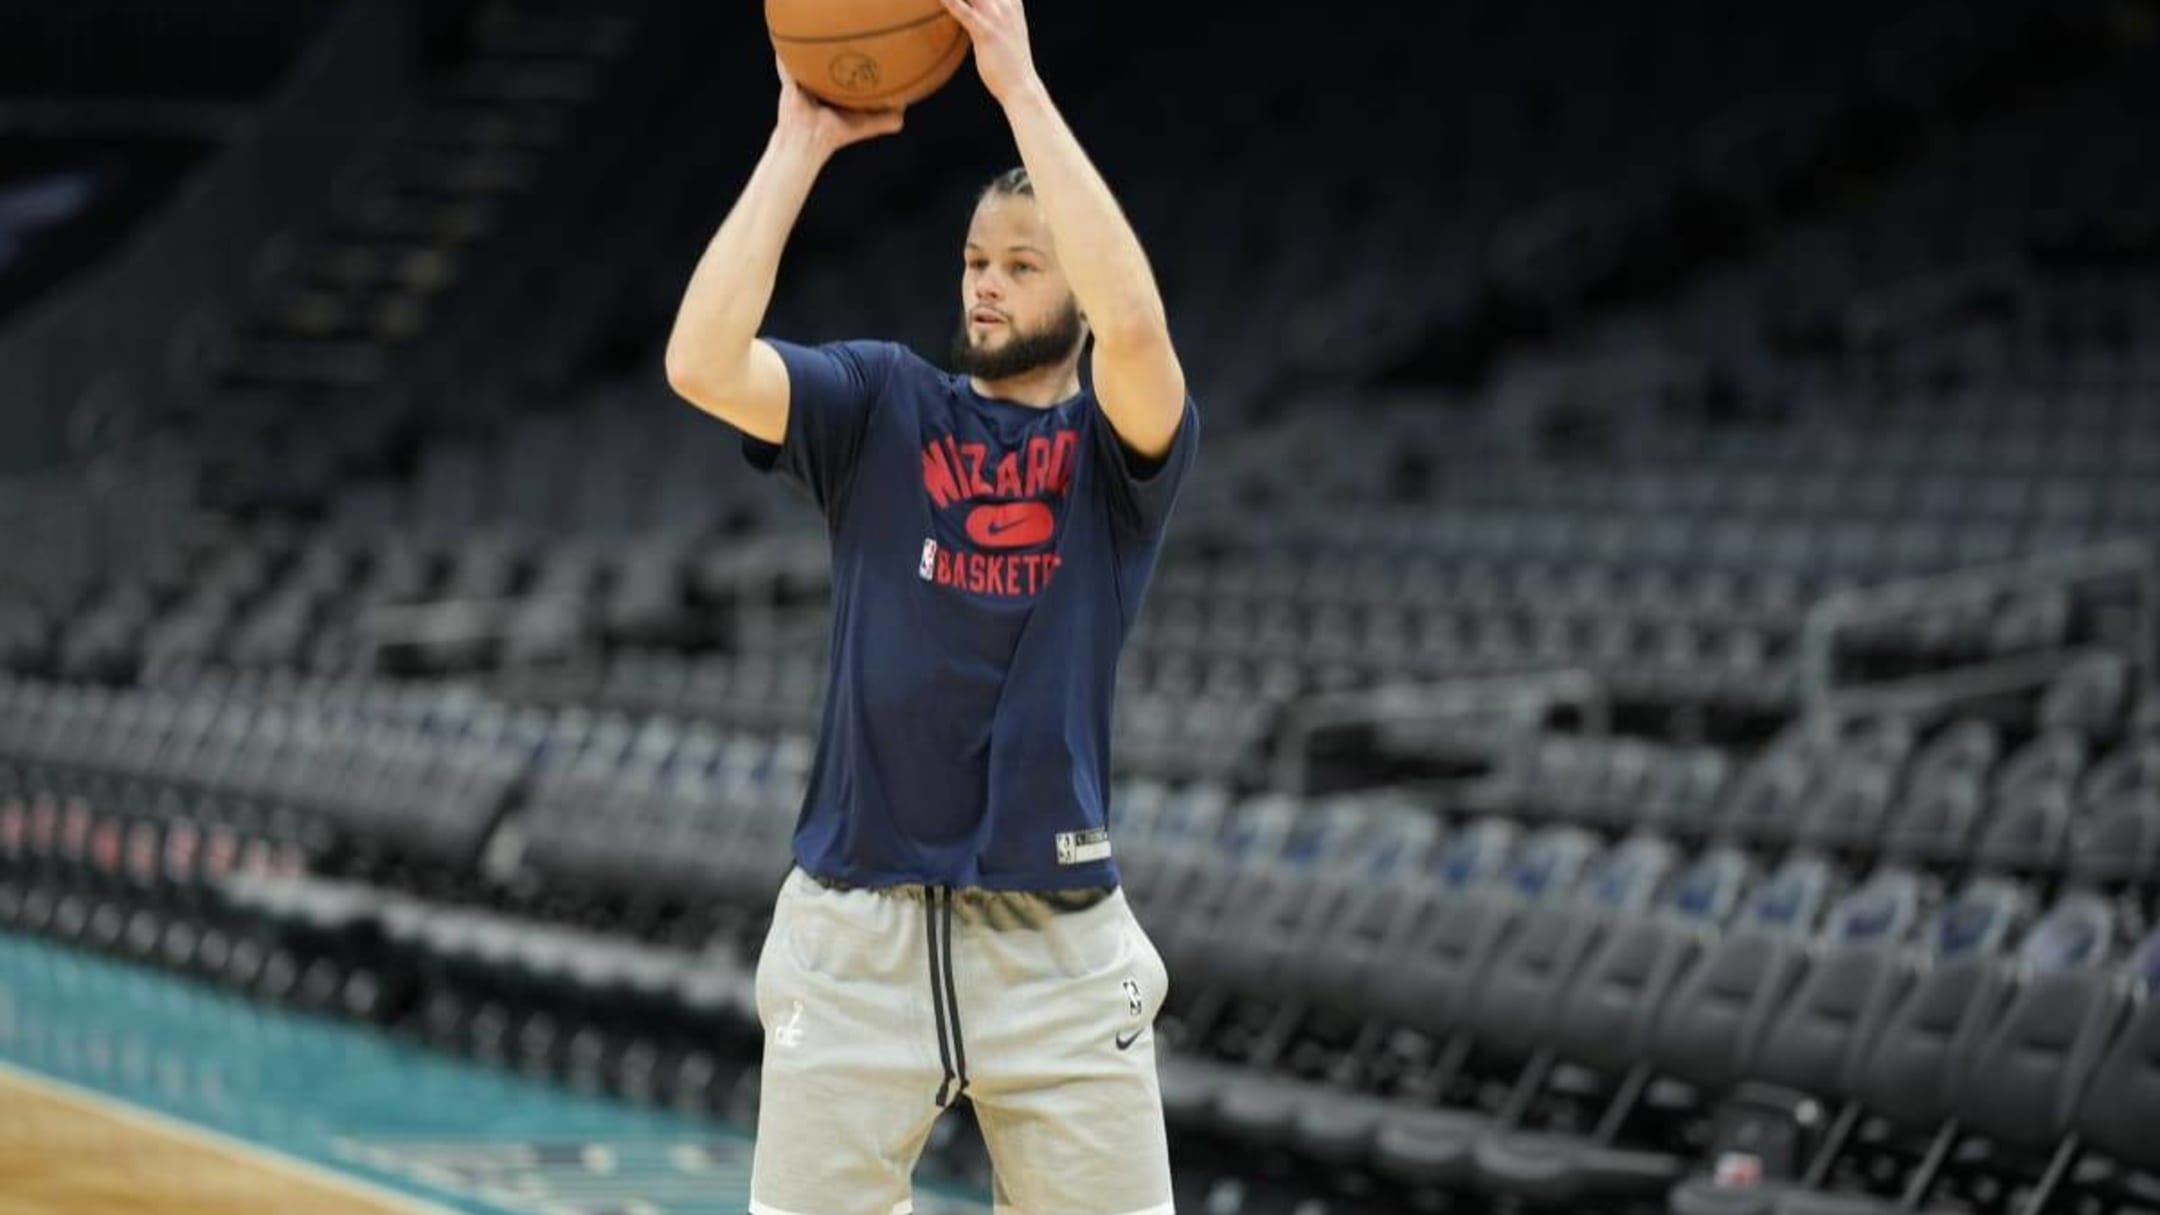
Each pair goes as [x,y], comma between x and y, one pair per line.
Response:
[466,1137]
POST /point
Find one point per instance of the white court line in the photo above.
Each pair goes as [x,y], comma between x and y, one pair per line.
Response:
[270,1159]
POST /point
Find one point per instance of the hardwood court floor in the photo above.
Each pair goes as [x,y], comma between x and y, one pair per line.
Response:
[67,1152]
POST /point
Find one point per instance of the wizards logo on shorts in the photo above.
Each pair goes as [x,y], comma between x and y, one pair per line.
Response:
[1004,501]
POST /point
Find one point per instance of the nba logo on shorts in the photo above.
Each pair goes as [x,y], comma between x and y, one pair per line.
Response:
[789,1033]
[929,559]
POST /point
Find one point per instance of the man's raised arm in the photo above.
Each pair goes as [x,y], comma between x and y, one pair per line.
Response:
[1138,378]
[714,359]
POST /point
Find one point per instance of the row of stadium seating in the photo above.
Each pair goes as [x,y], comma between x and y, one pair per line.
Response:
[1582,1021]
[1488,939]
[1313,613]
[430,775]
[425,775]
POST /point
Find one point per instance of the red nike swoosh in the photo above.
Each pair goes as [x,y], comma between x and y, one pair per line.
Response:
[1011,524]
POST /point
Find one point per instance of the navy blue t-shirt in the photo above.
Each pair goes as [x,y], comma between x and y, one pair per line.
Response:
[988,560]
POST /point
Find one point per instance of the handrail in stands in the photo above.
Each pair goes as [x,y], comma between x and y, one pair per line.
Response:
[1827,704]
[1510,703]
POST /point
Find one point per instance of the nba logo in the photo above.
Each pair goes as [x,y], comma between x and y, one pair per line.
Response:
[929,559]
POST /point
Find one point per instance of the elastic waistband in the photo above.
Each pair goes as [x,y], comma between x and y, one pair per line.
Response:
[1062,902]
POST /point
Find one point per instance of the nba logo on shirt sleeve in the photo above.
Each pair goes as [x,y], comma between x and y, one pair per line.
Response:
[928,568]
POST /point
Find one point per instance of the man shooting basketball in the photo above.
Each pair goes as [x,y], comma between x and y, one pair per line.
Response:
[953,924]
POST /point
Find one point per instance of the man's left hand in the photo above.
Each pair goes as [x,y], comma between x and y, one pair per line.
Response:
[998,28]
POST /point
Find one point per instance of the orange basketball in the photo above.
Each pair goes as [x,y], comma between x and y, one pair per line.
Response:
[867,54]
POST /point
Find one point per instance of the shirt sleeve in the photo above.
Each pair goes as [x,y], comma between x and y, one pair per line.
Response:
[1142,490]
[831,391]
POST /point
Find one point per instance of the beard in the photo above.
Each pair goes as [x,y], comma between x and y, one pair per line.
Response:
[1022,352]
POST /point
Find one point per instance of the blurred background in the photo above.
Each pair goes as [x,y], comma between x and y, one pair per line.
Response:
[1647,701]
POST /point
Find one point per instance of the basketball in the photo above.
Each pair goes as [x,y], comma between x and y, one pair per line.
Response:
[867,54]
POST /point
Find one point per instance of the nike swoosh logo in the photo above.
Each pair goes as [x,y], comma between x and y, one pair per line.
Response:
[1124,1042]
[1011,524]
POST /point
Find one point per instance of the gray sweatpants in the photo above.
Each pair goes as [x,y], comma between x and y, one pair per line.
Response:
[883,1007]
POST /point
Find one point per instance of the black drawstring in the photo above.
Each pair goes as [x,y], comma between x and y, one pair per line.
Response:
[952,1001]
[941,995]
[937,1002]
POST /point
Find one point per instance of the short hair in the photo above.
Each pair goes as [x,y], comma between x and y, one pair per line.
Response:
[1012,182]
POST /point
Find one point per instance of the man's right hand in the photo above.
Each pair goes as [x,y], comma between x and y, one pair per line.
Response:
[827,128]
